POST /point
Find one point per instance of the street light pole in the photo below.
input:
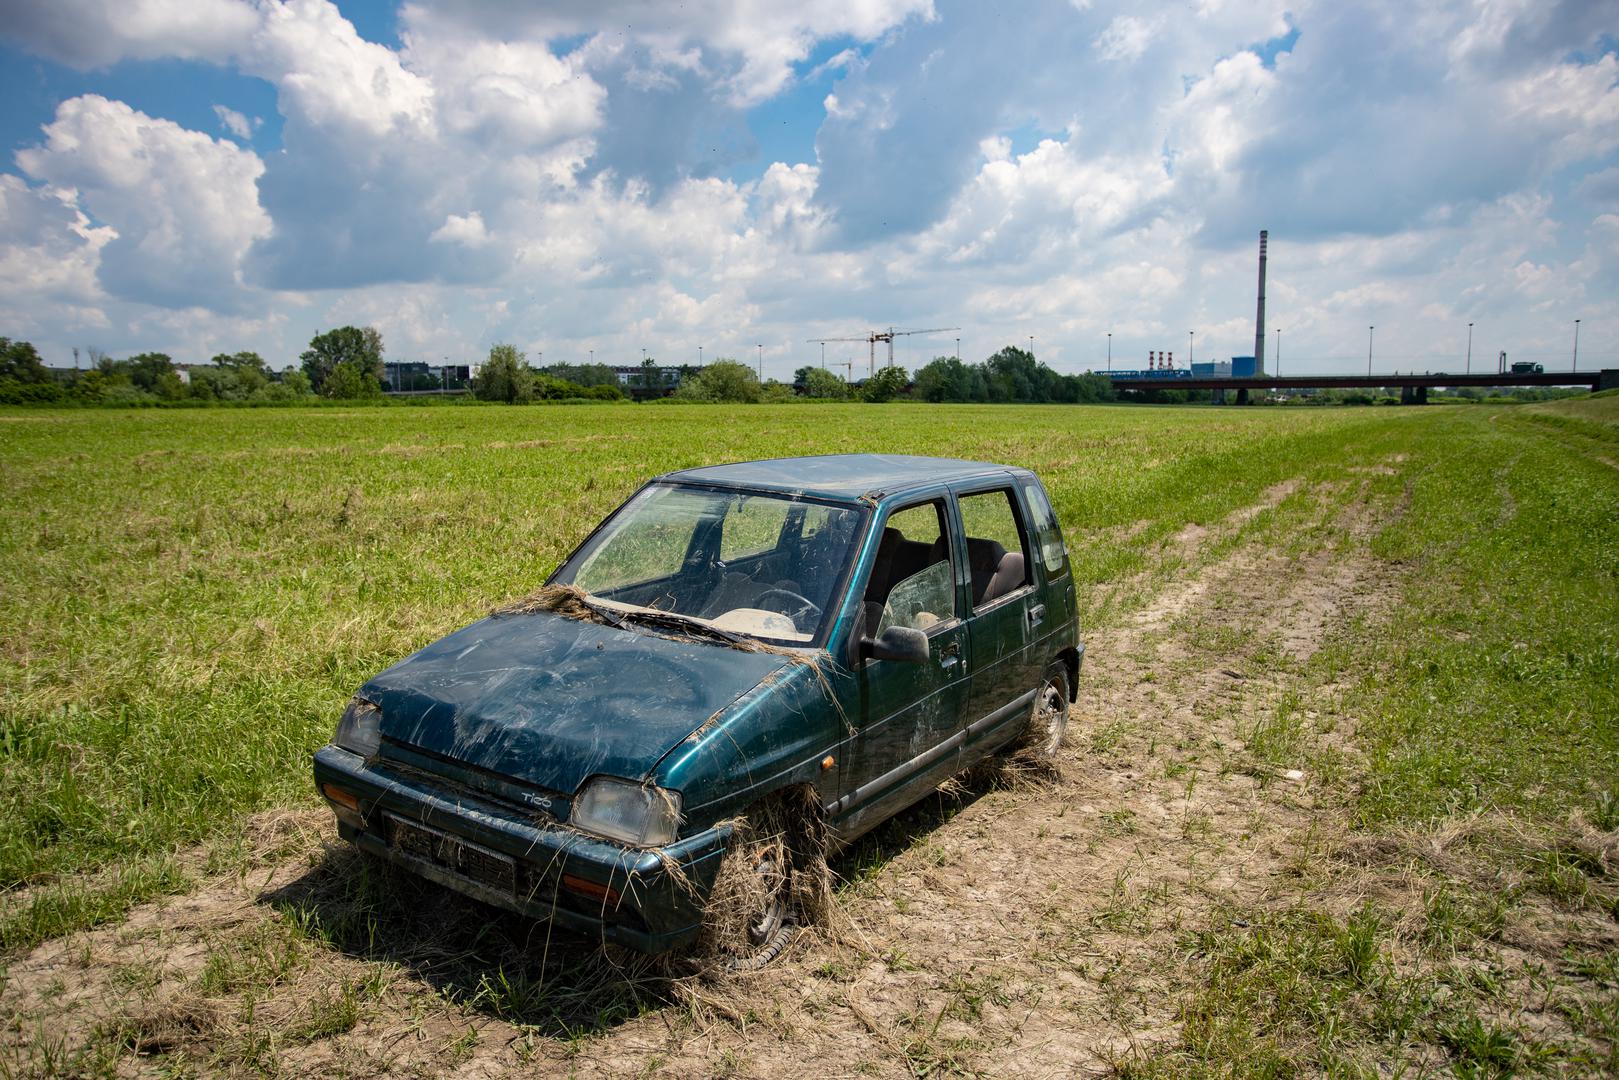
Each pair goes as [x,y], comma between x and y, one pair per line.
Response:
[761,349]
[1110,352]
[1576,344]
[1031,346]
[958,348]
[1469,348]
[700,354]
[823,354]
[1278,352]
[1191,348]
[1369,330]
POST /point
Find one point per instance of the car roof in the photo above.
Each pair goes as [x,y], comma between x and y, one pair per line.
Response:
[844,477]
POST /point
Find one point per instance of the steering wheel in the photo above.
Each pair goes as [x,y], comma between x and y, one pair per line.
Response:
[804,606]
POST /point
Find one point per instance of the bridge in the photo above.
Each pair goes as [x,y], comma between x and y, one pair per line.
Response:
[1413,387]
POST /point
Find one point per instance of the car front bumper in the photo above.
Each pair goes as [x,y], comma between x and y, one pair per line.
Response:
[650,900]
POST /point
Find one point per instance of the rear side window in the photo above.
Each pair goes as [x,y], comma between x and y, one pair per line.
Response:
[997,554]
[1053,554]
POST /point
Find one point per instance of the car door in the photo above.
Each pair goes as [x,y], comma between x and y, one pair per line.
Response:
[1002,615]
[908,714]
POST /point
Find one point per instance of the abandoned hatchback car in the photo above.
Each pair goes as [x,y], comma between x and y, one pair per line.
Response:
[743,664]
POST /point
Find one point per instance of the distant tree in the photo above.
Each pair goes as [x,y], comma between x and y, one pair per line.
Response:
[1087,388]
[19,360]
[352,379]
[246,373]
[1013,375]
[361,349]
[776,392]
[724,380]
[241,361]
[504,377]
[649,374]
[886,384]
[146,369]
[553,389]
[169,387]
[819,383]
[584,374]
[947,379]
[296,382]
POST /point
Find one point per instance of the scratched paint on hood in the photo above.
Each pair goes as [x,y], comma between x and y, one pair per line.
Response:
[553,701]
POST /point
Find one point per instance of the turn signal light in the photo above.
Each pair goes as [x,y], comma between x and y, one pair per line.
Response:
[605,893]
[341,797]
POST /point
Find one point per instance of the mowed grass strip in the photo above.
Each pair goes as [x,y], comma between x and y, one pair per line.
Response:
[1487,706]
[1499,680]
[187,598]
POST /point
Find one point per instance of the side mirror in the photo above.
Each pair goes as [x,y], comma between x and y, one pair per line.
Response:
[900,643]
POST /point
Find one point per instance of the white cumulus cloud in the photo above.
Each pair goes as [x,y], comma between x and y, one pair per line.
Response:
[184,206]
[236,123]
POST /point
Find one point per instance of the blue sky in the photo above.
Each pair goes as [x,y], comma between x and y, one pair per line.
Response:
[199,176]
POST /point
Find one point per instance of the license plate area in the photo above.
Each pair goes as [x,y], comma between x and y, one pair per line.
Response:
[446,851]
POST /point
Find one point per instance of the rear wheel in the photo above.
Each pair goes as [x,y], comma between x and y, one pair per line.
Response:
[1048,721]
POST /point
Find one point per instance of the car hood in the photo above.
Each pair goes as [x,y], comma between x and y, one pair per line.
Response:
[553,701]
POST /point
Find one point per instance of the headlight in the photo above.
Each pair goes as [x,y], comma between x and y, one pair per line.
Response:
[360,730]
[637,814]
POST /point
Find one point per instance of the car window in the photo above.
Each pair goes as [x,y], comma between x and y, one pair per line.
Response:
[671,548]
[752,526]
[1053,554]
[997,555]
[921,600]
[816,518]
[646,542]
[913,581]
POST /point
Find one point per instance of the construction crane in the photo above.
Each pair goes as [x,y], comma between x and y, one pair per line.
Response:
[872,338]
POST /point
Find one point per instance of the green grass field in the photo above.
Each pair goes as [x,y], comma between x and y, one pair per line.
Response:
[188,598]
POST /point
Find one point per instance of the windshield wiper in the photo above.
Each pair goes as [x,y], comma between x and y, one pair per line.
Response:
[687,623]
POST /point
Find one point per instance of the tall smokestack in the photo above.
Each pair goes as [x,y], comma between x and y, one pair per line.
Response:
[1259,320]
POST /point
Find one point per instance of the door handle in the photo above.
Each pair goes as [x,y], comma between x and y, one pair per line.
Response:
[1036,613]
[950,655]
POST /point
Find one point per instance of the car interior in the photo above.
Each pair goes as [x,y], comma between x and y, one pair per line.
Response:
[995,570]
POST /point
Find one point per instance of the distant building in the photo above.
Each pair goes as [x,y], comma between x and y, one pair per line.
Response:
[634,381]
[401,376]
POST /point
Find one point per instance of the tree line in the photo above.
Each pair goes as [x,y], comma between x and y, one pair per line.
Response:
[343,363]
[347,363]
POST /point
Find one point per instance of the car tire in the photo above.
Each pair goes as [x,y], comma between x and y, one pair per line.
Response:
[765,889]
[1048,717]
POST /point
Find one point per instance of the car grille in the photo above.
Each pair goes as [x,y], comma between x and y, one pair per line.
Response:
[471,861]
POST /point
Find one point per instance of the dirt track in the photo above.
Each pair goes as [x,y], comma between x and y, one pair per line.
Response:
[1022,929]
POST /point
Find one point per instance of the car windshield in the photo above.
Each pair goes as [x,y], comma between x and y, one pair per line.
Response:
[764,566]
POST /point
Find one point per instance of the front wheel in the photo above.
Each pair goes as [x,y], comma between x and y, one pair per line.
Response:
[768,884]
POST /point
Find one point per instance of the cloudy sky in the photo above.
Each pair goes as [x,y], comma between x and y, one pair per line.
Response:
[196,176]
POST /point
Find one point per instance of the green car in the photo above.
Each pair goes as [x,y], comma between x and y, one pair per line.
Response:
[742,668]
